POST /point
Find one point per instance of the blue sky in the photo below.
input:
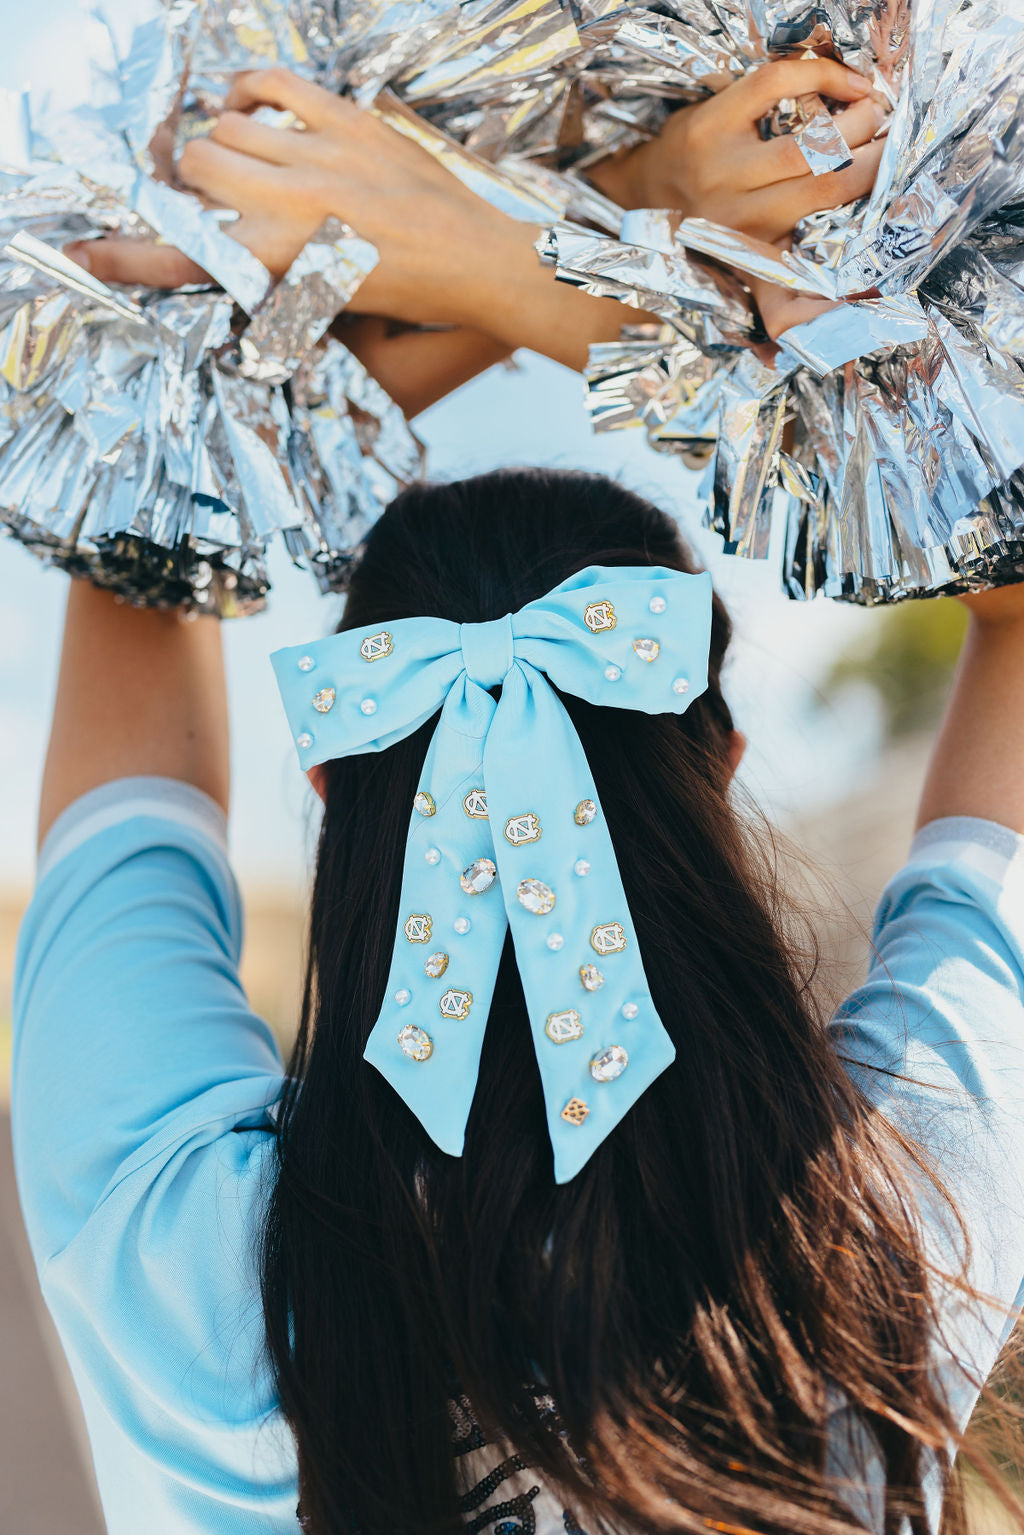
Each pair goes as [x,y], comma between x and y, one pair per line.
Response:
[803,750]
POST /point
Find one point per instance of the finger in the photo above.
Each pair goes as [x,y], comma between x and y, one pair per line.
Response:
[838,187]
[774,211]
[280,88]
[136,261]
[275,146]
[229,178]
[781,158]
[766,86]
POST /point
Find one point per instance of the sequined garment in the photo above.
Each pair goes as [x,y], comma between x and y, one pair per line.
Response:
[502,1493]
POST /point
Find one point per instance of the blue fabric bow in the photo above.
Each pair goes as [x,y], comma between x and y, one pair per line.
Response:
[507,830]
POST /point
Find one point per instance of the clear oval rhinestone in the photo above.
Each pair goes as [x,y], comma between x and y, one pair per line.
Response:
[304,741]
[630,1011]
[563,1027]
[323,702]
[433,855]
[403,997]
[416,1043]
[647,650]
[462,926]
[423,803]
[369,706]
[585,812]
[306,663]
[613,673]
[555,941]
[535,896]
[480,876]
[657,605]
[680,686]
[609,1064]
[436,964]
[591,977]
[581,867]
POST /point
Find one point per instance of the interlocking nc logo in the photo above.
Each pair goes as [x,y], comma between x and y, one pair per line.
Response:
[563,1027]
[609,938]
[475,804]
[522,828]
[417,927]
[456,1004]
[376,646]
[599,616]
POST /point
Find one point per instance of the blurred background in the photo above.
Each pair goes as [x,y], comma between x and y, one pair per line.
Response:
[838,704]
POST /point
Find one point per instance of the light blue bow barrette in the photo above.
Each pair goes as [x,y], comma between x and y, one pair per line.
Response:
[507,829]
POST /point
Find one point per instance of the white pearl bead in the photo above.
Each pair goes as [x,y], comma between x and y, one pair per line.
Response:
[613,673]
[630,1011]
[304,741]
[657,605]
[403,997]
[581,866]
[680,686]
[369,706]
[462,925]
[432,855]
[306,663]
[554,941]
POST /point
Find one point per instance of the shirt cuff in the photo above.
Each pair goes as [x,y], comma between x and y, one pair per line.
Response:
[989,848]
[167,799]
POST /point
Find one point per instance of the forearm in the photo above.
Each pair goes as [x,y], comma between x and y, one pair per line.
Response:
[419,367]
[977,766]
[139,692]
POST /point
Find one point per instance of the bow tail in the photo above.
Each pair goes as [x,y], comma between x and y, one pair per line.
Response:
[450,931]
[599,1042]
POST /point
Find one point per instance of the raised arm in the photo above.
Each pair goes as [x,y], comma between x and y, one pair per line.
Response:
[139,693]
[977,766]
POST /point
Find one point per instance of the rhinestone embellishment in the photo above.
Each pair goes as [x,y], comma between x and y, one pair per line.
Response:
[609,1064]
[581,867]
[456,1004]
[563,1027]
[433,855]
[575,1111]
[522,828]
[613,673]
[423,803]
[647,650]
[462,925]
[657,605]
[585,812]
[369,706]
[323,702]
[555,941]
[436,964]
[680,686]
[304,741]
[306,663]
[480,876]
[475,805]
[591,977]
[535,896]
[416,1043]
[630,1011]
[376,646]
[403,997]
[608,938]
[417,927]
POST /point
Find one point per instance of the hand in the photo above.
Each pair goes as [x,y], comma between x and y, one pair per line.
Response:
[343,161]
[709,160]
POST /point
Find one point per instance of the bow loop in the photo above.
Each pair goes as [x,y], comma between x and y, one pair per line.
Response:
[488,651]
[506,831]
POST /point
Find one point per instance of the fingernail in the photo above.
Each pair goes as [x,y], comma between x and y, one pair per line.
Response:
[78,251]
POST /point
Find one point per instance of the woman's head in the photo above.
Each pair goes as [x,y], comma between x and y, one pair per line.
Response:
[735,1253]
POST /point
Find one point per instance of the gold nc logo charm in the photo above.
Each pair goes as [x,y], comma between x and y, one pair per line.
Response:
[376,646]
[599,616]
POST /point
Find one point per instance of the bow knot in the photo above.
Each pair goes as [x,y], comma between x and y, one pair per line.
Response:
[506,831]
[488,651]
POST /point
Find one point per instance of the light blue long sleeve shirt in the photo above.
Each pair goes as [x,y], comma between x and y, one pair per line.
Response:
[143,1093]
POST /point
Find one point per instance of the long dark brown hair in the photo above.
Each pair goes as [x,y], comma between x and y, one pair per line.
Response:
[739,1257]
